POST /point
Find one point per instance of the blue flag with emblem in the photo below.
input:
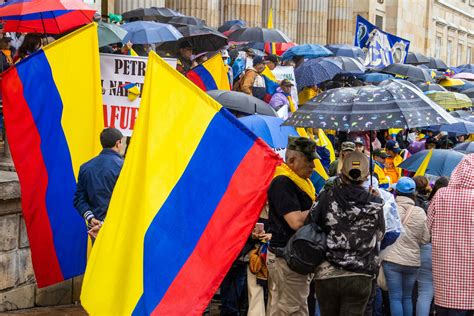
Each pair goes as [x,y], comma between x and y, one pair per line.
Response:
[381,48]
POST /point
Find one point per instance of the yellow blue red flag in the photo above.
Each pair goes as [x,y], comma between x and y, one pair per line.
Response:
[210,75]
[52,104]
[190,191]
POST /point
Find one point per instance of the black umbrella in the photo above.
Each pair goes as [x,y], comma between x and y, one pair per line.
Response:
[348,65]
[241,102]
[430,87]
[186,20]
[145,14]
[165,14]
[202,39]
[229,24]
[259,34]
[436,63]
[409,71]
[416,59]
[391,105]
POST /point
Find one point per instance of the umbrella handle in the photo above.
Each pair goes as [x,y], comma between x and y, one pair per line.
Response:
[371,168]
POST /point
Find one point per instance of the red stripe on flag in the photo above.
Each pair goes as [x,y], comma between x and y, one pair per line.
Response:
[196,79]
[223,238]
[25,142]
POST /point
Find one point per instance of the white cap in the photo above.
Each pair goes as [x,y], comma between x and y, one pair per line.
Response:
[225,53]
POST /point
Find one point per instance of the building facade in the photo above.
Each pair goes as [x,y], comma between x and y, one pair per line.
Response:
[439,28]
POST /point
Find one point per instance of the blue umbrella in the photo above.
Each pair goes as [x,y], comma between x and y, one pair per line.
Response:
[466,68]
[442,162]
[462,127]
[269,129]
[374,77]
[312,72]
[145,32]
[306,51]
[467,147]
[346,50]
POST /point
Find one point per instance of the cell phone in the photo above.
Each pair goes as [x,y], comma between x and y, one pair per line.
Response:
[259,228]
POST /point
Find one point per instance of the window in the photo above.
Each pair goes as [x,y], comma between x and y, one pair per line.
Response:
[438,47]
[379,21]
[448,52]
[468,55]
[459,60]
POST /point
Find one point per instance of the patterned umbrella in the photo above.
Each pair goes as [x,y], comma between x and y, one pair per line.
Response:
[450,100]
[409,71]
[345,50]
[416,59]
[391,105]
[48,17]
[259,34]
[442,162]
[312,72]
[307,51]
[430,87]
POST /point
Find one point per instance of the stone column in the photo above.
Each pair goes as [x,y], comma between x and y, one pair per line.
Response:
[341,24]
[207,10]
[248,10]
[122,6]
[312,22]
[285,15]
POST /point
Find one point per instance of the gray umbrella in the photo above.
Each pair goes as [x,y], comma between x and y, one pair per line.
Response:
[259,34]
[241,102]
[409,71]
[431,87]
[416,59]
[367,108]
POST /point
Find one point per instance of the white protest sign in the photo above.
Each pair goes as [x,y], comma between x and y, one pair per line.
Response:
[287,72]
[116,72]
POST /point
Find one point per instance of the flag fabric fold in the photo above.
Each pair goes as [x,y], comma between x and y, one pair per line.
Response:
[53,119]
[210,75]
[191,189]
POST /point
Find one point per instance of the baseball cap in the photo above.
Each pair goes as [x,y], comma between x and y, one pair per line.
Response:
[225,53]
[347,146]
[380,153]
[257,60]
[405,185]
[358,140]
[393,146]
[356,166]
[303,145]
[286,82]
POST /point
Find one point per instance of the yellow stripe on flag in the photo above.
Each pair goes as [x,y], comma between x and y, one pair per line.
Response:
[424,165]
[118,250]
[76,94]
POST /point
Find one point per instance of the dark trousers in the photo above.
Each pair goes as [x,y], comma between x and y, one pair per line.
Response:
[231,289]
[443,311]
[345,296]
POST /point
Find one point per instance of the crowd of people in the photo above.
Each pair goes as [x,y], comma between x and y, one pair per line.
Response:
[395,243]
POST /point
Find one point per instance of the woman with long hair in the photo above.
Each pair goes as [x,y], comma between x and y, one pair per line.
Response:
[31,44]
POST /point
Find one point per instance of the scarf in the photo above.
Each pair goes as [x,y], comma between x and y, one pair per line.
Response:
[304,184]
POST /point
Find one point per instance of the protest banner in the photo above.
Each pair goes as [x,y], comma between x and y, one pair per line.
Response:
[118,74]
[287,72]
[381,48]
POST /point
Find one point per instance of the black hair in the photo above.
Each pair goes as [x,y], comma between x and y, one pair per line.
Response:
[109,137]
[30,44]
[440,183]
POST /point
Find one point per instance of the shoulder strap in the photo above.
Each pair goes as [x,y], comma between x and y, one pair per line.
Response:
[405,220]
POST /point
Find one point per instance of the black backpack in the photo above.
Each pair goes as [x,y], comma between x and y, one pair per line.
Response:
[306,249]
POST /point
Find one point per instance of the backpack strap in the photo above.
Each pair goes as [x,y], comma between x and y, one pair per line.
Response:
[410,211]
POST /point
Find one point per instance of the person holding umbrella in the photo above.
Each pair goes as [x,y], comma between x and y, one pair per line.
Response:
[379,157]
[184,63]
[282,99]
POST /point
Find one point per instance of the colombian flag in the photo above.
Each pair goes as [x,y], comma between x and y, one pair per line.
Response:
[210,75]
[191,189]
[52,106]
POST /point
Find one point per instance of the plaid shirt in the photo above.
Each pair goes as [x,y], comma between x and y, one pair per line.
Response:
[451,221]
